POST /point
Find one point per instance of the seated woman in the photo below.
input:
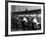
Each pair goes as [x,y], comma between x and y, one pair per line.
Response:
[30,23]
[37,24]
[24,23]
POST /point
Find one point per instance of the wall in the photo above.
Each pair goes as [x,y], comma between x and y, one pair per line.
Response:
[2,19]
[22,8]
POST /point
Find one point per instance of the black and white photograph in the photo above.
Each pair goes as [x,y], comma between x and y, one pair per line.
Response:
[24,18]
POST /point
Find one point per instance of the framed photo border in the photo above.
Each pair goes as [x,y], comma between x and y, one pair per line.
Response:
[6,18]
